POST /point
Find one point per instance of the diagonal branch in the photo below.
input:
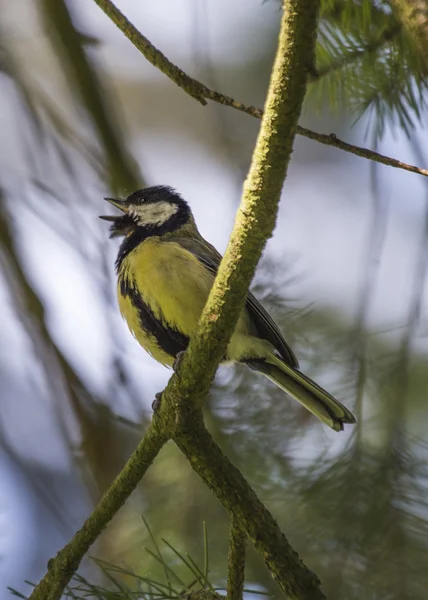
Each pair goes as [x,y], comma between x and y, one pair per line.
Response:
[256,217]
[202,93]
[254,224]
[332,140]
[67,561]
[180,417]
[247,511]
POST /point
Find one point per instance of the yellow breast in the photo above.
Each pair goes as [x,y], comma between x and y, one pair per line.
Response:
[162,290]
[173,284]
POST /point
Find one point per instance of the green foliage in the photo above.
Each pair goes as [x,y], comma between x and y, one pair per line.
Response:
[358,514]
[368,64]
[181,577]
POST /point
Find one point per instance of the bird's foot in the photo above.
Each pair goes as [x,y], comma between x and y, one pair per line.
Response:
[177,362]
[156,403]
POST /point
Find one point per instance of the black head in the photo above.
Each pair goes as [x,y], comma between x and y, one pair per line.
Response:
[151,211]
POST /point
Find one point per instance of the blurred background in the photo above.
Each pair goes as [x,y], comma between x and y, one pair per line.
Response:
[83,115]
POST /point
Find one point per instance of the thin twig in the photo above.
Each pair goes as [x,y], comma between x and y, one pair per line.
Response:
[332,140]
[202,93]
[236,561]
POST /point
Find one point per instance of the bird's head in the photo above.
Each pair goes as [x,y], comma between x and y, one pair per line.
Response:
[151,211]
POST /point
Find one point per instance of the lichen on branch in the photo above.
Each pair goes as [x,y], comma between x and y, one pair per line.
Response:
[180,416]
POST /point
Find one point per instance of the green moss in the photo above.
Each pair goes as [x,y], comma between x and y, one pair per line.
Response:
[180,417]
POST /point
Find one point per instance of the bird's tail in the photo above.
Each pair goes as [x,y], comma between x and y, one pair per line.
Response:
[313,397]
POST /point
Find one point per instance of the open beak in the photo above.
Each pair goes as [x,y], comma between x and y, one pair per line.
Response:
[120,204]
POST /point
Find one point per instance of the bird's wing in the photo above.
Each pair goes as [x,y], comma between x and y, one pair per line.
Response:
[266,327]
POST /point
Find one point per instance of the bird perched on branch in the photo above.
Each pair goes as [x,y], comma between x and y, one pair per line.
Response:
[165,272]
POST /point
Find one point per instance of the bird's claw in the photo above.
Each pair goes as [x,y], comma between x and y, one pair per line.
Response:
[177,361]
[156,403]
[158,397]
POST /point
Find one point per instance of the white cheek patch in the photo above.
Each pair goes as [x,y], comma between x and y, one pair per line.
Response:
[153,214]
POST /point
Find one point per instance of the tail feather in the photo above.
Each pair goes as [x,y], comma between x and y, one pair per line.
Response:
[313,397]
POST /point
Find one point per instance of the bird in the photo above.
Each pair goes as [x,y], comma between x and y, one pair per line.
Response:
[165,270]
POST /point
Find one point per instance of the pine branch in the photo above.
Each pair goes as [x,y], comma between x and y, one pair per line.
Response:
[202,93]
[180,417]
[332,140]
[191,86]
[413,14]
[376,59]
[349,58]
[121,168]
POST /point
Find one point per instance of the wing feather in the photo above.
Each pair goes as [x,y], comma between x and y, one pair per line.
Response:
[265,326]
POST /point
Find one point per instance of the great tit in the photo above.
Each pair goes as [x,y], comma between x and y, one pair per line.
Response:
[165,271]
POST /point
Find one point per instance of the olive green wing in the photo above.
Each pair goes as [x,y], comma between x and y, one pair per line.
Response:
[265,326]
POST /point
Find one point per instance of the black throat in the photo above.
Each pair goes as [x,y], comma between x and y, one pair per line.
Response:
[140,233]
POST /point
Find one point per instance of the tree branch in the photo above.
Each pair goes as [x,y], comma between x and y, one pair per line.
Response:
[246,510]
[256,215]
[236,561]
[180,417]
[254,224]
[332,140]
[67,561]
[201,92]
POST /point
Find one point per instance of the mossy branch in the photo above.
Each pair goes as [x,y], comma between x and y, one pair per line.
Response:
[180,416]
[202,93]
[257,213]
[236,561]
[248,512]
[67,561]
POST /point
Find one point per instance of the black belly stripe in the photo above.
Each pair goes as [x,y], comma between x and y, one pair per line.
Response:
[170,340]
